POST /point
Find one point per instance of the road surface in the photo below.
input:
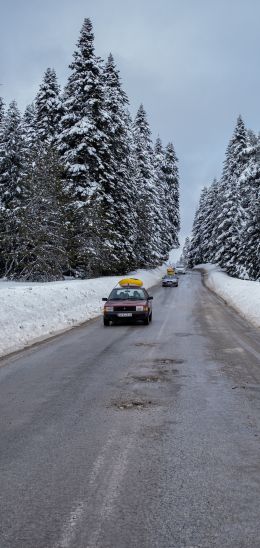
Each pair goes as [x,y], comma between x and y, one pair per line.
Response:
[135,436]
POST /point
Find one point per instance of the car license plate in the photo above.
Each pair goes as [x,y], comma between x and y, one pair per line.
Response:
[125,314]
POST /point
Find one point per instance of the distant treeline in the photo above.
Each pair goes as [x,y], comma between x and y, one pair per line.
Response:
[226,228]
[83,192]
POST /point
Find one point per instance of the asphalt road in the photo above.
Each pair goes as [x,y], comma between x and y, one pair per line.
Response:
[135,436]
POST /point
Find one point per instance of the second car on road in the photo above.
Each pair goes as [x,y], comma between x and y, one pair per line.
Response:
[170,281]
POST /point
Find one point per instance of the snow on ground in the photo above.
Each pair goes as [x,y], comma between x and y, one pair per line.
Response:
[30,312]
[242,295]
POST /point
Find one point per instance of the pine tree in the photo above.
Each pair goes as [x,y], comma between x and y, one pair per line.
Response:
[85,152]
[148,205]
[184,258]
[2,113]
[30,134]
[172,193]
[209,225]
[230,220]
[162,222]
[41,254]
[48,107]
[196,253]
[116,198]
[12,189]
[249,254]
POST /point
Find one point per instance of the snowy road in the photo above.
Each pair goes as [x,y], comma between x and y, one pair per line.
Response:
[134,436]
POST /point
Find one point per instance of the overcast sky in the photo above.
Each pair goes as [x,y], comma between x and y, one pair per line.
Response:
[193,63]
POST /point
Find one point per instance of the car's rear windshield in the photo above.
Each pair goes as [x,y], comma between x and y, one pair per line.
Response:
[121,294]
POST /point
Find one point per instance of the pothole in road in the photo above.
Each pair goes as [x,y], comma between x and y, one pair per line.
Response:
[149,344]
[149,378]
[132,404]
[167,361]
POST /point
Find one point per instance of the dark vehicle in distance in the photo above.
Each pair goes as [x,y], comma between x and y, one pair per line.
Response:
[170,281]
[128,303]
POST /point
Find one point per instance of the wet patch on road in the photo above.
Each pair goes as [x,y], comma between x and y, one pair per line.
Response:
[132,404]
[155,432]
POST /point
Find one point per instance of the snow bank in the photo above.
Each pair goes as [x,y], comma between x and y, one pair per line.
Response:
[242,295]
[30,312]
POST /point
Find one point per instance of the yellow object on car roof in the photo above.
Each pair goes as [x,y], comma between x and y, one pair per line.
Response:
[130,281]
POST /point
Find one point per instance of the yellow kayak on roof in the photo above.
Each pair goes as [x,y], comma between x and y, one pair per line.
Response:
[131,281]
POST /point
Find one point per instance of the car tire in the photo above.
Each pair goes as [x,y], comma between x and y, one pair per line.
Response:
[106,322]
[151,316]
[147,320]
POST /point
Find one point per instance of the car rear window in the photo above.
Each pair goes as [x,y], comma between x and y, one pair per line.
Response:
[121,294]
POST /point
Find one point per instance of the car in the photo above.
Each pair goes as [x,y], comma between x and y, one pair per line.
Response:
[128,301]
[170,281]
[180,269]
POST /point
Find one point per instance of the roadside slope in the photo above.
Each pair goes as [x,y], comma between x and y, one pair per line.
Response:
[242,295]
[31,312]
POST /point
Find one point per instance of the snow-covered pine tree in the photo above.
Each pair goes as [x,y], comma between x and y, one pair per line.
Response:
[172,193]
[209,225]
[162,222]
[196,253]
[116,198]
[30,134]
[2,112]
[85,151]
[231,216]
[41,254]
[48,107]
[148,244]
[249,181]
[12,189]
[184,258]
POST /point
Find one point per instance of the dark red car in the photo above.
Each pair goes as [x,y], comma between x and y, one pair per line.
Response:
[128,303]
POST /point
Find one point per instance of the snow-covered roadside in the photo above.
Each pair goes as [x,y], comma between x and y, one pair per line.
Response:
[242,295]
[33,311]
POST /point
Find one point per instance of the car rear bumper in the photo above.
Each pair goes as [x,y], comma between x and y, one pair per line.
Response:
[115,316]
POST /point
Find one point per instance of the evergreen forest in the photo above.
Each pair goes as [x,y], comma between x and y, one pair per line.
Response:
[83,190]
[226,227]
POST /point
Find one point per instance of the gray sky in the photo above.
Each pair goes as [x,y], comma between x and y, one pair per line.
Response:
[193,63]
